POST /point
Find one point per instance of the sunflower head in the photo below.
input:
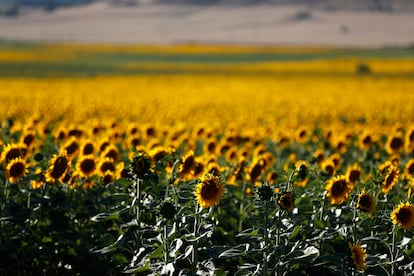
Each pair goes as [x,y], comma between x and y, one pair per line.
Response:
[338,189]
[16,168]
[58,167]
[353,173]
[366,202]
[390,179]
[86,165]
[265,192]
[209,190]
[140,165]
[12,151]
[168,210]
[403,215]
[286,201]
[358,256]
[395,143]
[187,164]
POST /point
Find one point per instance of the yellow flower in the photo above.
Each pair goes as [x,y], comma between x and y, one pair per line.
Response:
[353,173]
[366,202]
[58,167]
[286,202]
[16,169]
[391,178]
[338,189]
[209,191]
[86,165]
[403,215]
[358,256]
[395,143]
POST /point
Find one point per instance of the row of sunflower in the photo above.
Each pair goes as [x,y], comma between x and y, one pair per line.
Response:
[122,197]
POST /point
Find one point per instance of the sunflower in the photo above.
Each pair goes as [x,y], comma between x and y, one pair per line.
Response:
[395,143]
[358,255]
[328,167]
[87,147]
[58,167]
[319,156]
[111,151]
[158,153]
[338,189]
[86,166]
[209,191]
[108,177]
[390,179]
[301,135]
[186,168]
[28,138]
[256,169]
[403,215]
[16,168]
[409,169]
[353,173]
[12,151]
[366,202]
[105,164]
[285,201]
[366,140]
[71,147]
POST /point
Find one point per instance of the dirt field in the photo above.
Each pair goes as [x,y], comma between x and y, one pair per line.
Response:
[257,24]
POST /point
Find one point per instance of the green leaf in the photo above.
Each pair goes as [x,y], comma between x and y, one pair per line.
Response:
[295,232]
[119,259]
[47,240]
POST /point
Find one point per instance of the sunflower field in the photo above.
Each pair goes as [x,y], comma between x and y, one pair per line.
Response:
[206,160]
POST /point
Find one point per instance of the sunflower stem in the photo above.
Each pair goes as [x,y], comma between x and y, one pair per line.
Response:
[194,256]
[266,239]
[138,199]
[393,251]
[165,237]
[241,207]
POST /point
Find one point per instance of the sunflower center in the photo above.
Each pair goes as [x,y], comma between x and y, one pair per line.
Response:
[411,169]
[365,201]
[72,148]
[404,216]
[367,140]
[28,139]
[188,164]
[256,171]
[396,143]
[339,188]
[88,149]
[112,154]
[12,154]
[88,166]
[354,175]
[59,167]
[389,180]
[17,170]
[209,190]
[107,166]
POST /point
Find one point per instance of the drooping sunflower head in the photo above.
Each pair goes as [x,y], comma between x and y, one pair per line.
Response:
[403,215]
[86,165]
[390,179]
[358,256]
[71,147]
[286,201]
[209,190]
[366,202]
[58,167]
[338,189]
[187,164]
[256,169]
[16,168]
[409,169]
[265,192]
